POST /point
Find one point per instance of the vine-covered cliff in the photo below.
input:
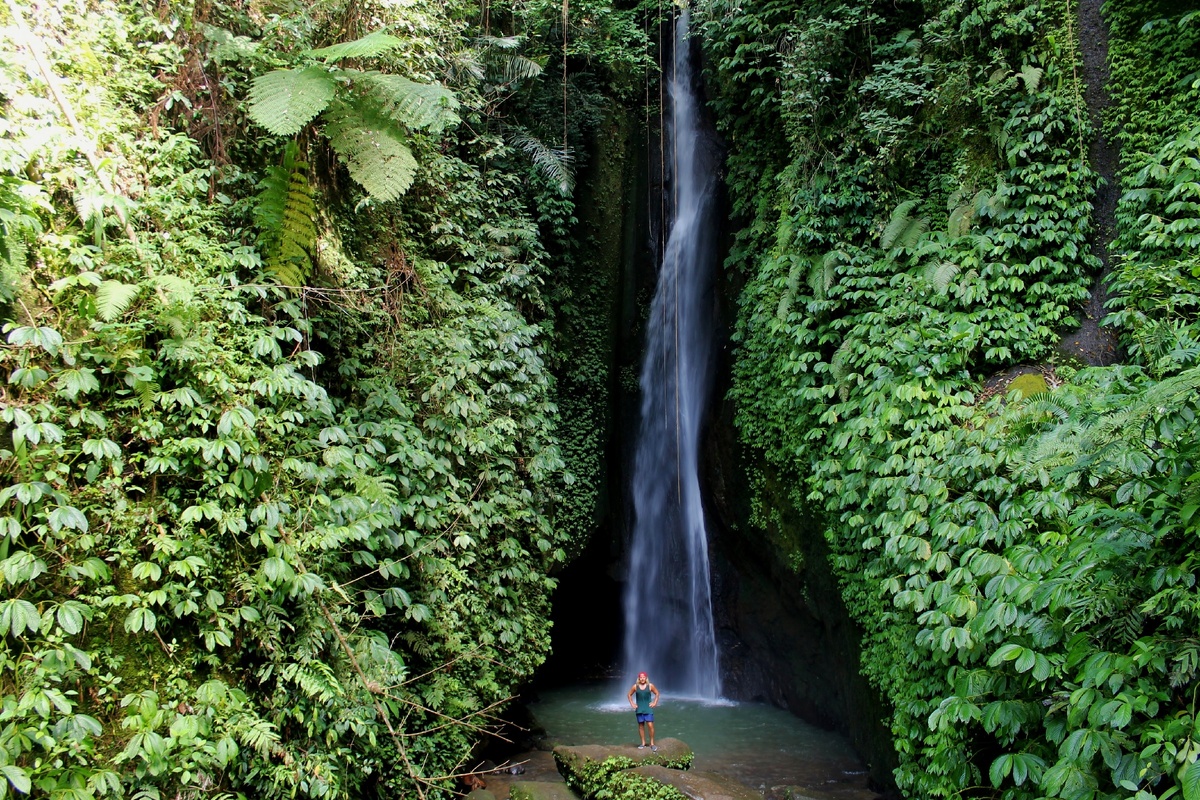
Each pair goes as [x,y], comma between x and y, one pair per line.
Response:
[290,308]
[1013,530]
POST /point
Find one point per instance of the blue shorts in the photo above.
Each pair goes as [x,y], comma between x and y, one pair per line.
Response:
[645,718]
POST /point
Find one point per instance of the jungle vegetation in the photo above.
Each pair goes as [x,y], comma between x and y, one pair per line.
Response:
[284,484]
[302,373]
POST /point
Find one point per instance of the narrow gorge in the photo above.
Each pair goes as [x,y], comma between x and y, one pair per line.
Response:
[386,384]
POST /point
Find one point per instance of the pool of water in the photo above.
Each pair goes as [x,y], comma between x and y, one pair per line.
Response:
[757,744]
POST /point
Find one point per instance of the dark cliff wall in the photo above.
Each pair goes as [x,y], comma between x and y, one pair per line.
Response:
[784,634]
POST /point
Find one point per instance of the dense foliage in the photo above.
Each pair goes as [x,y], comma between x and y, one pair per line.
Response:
[1023,568]
[282,477]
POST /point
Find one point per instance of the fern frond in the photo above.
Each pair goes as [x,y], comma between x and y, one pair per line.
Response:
[941,274]
[839,369]
[113,297]
[226,46]
[369,46]
[174,289]
[374,152]
[417,106]
[784,306]
[1175,391]
[514,67]
[1032,76]
[553,163]
[287,215]
[272,195]
[500,42]
[823,273]
[286,100]
[961,219]
[903,230]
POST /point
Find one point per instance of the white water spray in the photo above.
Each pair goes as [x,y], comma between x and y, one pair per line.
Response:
[668,604]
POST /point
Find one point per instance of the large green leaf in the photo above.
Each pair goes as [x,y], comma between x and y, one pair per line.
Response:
[417,106]
[286,100]
[112,298]
[374,152]
[369,46]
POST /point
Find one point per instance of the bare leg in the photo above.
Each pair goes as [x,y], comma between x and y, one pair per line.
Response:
[650,725]
[642,732]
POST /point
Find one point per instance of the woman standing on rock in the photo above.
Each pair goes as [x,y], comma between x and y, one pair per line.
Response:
[647,698]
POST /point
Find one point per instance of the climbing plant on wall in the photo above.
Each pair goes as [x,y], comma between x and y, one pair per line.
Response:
[280,447]
[928,227]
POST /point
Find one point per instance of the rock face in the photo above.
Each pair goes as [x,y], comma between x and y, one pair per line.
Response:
[698,785]
[784,635]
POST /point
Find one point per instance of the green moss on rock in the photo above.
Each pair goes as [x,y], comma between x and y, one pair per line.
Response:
[660,783]
[589,769]
[540,790]
[630,785]
[1028,384]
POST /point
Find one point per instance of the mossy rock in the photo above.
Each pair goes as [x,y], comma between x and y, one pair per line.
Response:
[643,784]
[481,794]
[540,790]
[631,785]
[589,768]
[1028,384]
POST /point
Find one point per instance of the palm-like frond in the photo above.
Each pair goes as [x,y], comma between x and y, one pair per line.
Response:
[903,230]
[286,100]
[416,106]
[113,297]
[514,67]
[369,46]
[554,163]
[373,150]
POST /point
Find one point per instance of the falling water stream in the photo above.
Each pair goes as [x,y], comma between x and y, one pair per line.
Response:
[668,607]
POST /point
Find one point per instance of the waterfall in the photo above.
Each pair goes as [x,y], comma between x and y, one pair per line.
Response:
[668,605]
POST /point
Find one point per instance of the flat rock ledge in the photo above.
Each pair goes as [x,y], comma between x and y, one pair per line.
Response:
[588,769]
[540,790]
[689,785]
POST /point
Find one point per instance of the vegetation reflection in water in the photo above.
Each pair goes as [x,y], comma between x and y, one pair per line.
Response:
[757,744]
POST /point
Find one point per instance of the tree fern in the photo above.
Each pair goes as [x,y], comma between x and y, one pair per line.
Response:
[373,44]
[286,100]
[903,230]
[417,106]
[373,150]
[367,114]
